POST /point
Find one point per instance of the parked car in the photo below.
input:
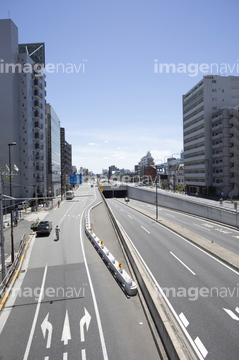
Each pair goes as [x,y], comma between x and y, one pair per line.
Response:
[44,228]
[34,225]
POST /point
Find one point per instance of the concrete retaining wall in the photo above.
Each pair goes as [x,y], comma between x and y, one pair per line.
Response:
[186,205]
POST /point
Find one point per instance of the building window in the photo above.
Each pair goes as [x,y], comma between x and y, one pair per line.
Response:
[214,99]
[214,90]
[214,81]
[214,108]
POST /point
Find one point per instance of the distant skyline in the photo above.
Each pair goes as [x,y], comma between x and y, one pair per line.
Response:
[116,71]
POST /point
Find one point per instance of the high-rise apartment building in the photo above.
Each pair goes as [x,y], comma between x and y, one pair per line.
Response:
[208,96]
[22,109]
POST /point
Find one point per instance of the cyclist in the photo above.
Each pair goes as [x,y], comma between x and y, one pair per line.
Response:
[57,230]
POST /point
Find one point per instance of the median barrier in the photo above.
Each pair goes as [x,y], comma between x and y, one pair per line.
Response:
[120,274]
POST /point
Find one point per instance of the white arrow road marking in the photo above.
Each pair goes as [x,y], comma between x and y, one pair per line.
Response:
[84,320]
[237,309]
[66,333]
[46,325]
[65,356]
[231,313]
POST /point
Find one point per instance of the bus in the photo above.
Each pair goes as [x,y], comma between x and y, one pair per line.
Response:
[69,195]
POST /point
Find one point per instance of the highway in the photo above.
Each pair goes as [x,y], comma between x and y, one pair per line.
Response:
[201,290]
[66,304]
[222,235]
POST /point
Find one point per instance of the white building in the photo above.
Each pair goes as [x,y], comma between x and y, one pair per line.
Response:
[22,107]
[205,98]
[145,161]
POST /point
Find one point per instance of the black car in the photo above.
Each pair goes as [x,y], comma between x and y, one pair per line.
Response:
[44,228]
[34,225]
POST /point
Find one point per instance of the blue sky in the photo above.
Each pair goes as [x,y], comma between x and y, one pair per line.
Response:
[119,108]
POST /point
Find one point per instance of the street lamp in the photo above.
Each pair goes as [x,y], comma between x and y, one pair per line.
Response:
[10,170]
[156,200]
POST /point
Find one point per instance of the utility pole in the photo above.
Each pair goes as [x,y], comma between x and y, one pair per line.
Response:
[2,240]
[11,207]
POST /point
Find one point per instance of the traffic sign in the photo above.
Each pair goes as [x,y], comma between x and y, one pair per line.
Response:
[75,179]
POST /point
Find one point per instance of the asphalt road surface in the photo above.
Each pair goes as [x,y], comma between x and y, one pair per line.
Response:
[202,292]
[66,304]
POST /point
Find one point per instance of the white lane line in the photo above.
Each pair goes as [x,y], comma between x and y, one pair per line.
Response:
[145,229]
[35,317]
[102,340]
[130,217]
[203,251]
[182,263]
[165,298]
[201,227]
[201,347]
[184,319]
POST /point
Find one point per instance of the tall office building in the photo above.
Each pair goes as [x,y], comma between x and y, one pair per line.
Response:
[66,161]
[22,110]
[53,152]
[208,96]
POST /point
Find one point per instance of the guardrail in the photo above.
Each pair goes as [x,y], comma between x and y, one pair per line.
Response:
[121,275]
[5,283]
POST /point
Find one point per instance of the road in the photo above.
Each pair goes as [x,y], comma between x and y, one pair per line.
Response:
[66,304]
[201,290]
[219,234]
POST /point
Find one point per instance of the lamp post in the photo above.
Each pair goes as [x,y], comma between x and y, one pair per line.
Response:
[156,200]
[10,169]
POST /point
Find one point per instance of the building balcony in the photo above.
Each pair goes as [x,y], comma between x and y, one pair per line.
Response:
[38,125]
[217,137]
[37,95]
[38,105]
[39,179]
[38,136]
[39,168]
[217,146]
[39,157]
[234,131]
[37,84]
[38,115]
[217,118]
[217,156]
[198,149]
[194,125]
[198,108]
[194,167]
[38,146]
[218,175]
